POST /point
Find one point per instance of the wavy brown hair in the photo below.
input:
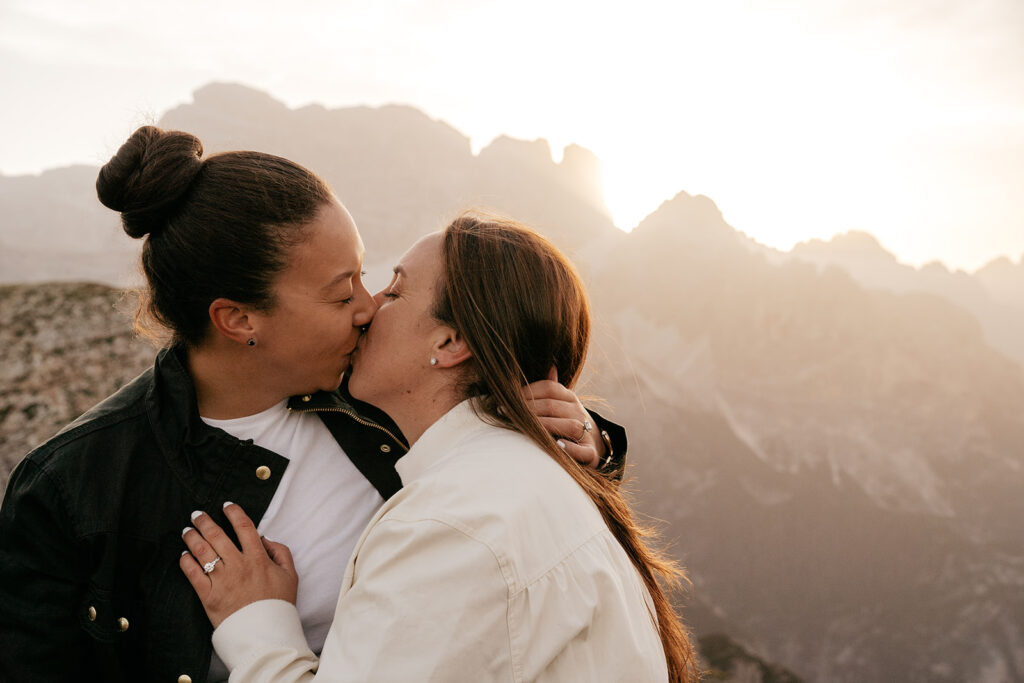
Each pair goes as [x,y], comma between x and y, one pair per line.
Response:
[521,308]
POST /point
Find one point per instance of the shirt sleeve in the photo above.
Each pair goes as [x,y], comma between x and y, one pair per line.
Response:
[427,603]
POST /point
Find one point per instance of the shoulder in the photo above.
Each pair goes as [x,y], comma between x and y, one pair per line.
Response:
[112,421]
[497,488]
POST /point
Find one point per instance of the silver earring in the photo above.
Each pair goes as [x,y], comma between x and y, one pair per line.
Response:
[251,342]
[433,361]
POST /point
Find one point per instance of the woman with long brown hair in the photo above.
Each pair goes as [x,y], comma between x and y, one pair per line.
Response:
[501,559]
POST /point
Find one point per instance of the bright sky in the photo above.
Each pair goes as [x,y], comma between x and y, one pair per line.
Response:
[800,118]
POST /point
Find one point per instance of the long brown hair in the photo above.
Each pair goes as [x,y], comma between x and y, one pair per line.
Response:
[215,227]
[521,307]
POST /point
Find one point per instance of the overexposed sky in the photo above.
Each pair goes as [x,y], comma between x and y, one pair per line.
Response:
[800,118]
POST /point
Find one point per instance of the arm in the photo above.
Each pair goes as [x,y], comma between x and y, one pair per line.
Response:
[42,604]
[427,602]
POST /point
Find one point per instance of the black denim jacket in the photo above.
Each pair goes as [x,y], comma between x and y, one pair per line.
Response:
[90,527]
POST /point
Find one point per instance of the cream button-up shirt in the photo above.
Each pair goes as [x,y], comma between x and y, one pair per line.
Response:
[491,564]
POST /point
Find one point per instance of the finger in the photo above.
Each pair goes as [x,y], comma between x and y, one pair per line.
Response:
[245,530]
[547,389]
[569,428]
[547,407]
[280,554]
[202,551]
[222,545]
[553,374]
[199,580]
[584,455]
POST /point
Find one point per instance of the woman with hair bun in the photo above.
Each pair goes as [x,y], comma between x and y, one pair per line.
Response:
[527,566]
[254,268]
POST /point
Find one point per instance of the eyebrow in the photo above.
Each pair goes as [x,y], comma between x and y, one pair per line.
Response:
[340,278]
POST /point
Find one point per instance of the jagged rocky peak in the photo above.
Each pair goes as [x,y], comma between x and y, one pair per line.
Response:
[687,217]
[853,243]
[1002,266]
[581,161]
[534,152]
[935,268]
[236,97]
[1004,280]
[582,169]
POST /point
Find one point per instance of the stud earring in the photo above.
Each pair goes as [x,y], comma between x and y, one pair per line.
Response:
[251,342]
[433,361]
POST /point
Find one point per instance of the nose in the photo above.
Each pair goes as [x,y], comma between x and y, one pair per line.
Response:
[367,308]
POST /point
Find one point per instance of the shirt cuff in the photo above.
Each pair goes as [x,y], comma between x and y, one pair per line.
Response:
[259,626]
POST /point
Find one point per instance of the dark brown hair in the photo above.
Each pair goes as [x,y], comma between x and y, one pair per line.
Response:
[219,227]
[521,308]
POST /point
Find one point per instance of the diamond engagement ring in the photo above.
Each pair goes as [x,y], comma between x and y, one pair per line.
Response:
[208,567]
[586,428]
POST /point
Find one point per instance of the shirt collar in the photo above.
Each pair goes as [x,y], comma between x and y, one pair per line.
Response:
[441,440]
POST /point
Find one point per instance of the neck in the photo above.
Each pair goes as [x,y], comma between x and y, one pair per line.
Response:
[415,414]
[227,382]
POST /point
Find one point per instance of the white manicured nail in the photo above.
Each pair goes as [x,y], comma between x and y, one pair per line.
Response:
[196,514]
[227,503]
[186,530]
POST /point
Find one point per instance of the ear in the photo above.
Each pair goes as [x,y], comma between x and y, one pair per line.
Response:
[231,320]
[450,348]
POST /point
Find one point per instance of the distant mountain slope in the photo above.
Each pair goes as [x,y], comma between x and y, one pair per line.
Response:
[994,295]
[841,467]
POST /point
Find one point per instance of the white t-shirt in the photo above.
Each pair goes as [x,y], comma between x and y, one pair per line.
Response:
[319,510]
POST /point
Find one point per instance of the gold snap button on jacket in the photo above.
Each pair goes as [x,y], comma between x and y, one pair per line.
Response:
[122,624]
[92,613]
[384,448]
[263,472]
[307,398]
[184,678]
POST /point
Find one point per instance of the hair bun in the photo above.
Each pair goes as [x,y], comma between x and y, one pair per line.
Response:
[147,177]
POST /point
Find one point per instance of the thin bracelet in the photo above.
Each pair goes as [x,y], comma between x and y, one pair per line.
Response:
[608,446]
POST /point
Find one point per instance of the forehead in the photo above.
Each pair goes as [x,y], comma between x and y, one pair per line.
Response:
[332,246]
[423,260]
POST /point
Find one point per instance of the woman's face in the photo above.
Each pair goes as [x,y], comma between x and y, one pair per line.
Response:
[394,354]
[305,341]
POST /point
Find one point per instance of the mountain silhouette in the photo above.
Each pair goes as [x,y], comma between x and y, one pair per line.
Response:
[994,294]
[830,438]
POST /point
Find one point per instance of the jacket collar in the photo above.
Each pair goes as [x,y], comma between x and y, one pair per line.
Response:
[340,400]
[172,405]
[441,440]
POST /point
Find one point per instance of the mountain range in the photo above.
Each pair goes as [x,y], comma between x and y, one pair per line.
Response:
[830,439]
